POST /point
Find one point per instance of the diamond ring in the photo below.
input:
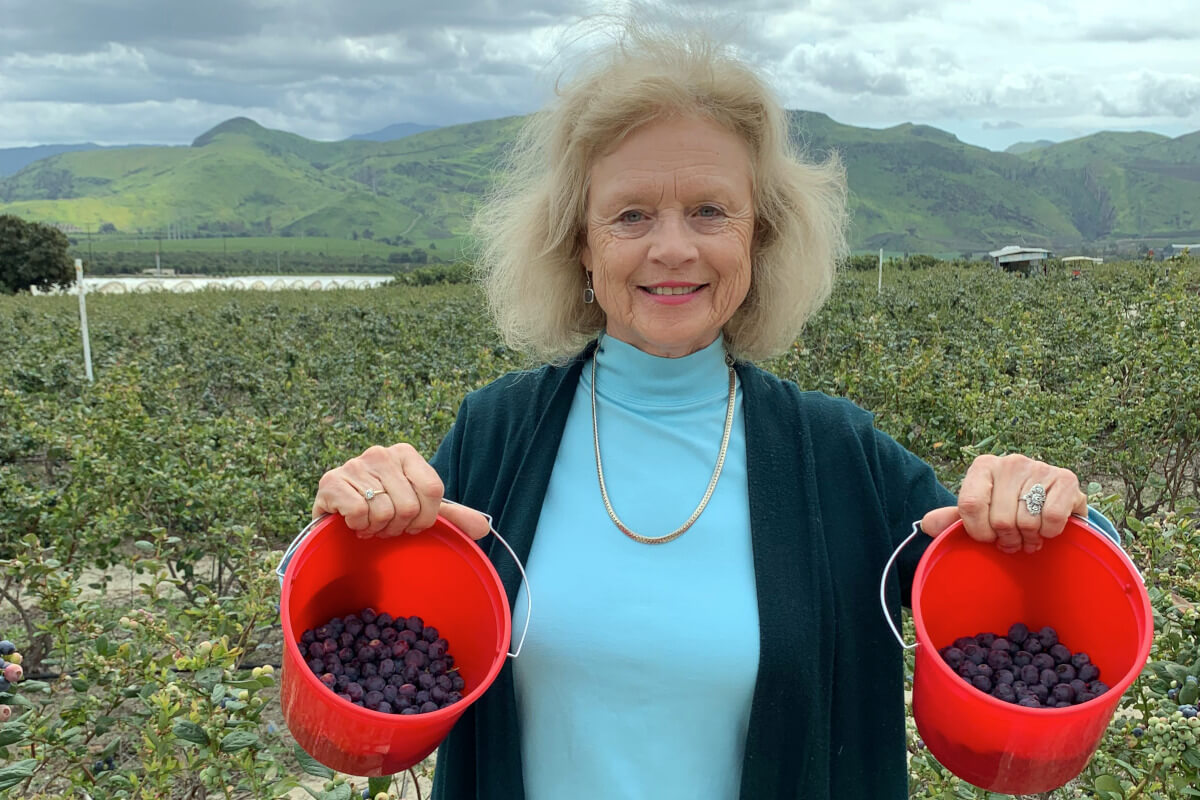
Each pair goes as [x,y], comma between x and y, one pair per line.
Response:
[371,493]
[1034,499]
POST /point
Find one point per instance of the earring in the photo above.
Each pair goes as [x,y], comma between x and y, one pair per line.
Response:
[589,296]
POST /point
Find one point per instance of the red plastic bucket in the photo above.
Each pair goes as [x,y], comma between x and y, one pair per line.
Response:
[440,575]
[1081,584]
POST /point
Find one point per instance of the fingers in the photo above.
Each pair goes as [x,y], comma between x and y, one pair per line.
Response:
[407,492]
[975,499]
[936,521]
[470,521]
[993,508]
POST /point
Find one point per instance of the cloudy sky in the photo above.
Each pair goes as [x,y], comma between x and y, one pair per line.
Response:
[993,73]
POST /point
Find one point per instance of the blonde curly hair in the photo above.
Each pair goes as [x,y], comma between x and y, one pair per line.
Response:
[530,227]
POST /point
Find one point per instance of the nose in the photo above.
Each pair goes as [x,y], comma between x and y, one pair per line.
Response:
[672,243]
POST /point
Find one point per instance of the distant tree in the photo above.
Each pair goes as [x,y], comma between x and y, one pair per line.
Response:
[368,233]
[32,255]
[108,227]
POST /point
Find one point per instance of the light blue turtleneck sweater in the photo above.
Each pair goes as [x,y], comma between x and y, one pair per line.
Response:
[637,675]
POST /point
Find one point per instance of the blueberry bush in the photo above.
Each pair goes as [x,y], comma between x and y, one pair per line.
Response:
[142,515]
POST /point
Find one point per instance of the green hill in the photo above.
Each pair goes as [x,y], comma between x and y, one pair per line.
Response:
[913,187]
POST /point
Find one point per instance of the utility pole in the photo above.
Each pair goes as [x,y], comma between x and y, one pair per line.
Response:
[879,288]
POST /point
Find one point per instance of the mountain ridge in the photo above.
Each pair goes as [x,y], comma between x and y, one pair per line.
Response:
[912,187]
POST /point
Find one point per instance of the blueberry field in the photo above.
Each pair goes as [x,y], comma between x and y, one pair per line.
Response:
[142,516]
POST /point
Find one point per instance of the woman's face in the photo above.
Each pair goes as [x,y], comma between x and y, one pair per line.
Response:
[670,220]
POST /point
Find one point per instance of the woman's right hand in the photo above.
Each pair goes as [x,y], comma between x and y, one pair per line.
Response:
[410,500]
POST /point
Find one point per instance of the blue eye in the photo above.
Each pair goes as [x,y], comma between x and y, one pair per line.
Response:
[709,211]
[628,216]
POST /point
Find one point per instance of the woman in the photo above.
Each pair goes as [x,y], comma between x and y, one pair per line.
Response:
[705,539]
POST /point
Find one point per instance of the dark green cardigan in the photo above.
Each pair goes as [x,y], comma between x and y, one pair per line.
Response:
[830,498]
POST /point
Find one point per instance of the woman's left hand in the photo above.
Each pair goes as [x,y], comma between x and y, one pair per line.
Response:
[992,510]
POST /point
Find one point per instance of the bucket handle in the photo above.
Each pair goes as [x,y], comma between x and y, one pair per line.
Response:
[281,570]
[917,529]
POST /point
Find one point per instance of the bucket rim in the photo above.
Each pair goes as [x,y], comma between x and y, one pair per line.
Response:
[1116,690]
[443,527]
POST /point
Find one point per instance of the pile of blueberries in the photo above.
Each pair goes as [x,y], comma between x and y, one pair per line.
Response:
[383,663]
[1030,669]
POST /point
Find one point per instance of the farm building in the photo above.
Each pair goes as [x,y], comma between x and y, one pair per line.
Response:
[1019,259]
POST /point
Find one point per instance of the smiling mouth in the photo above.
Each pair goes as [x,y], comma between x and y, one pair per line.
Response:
[672,290]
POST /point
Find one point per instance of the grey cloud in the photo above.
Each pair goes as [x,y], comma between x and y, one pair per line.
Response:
[1005,125]
[846,71]
[1139,31]
[1153,96]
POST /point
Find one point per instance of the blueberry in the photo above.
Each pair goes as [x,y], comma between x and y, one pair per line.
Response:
[408,636]
[1030,674]
[1043,661]
[1005,692]
[1048,637]
[1029,702]
[1066,673]
[1079,686]
[373,699]
[437,694]
[422,696]
[1063,693]
[1083,697]
[1061,654]
[308,637]
[355,690]
[329,679]
[968,670]
[428,706]
[982,683]
[437,667]
[437,650]
[410,710]
[408,690]
[390,693]
[1018,633]
[1022,658]
[316,650]
[454,697]
[1172,694]
[421,645]
[986,671]
[1033,645]
[399,649]
[1079,659]
[1139,732]
[374,684]
[999,659]
[384,707]
[426,681]
[1088,672]
[1003,645]
[459,683]
[415,624]
[1097,687]
[317,665]
[1004,676]
[415,658]
[1188,711]
[985,640]
[1048,678]
[384,620]
[975,654]
[367,615]
[371,631]
[962,642]
[430,634]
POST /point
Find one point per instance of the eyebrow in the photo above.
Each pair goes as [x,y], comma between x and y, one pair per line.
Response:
[641,193]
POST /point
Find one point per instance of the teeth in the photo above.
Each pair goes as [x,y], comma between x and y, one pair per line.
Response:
[673,289]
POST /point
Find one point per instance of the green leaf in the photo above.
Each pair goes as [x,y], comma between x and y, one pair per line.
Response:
[144,546]
[1192,758]
[377,785]
[12,732]
[209,677]
[1109,784]
[239,740]
[218,693]
[16,772]
[1189,694]
[79,684]
[190,732]
[311,765]
[102,645]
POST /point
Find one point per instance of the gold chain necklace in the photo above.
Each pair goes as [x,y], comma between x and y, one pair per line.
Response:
[712,484]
